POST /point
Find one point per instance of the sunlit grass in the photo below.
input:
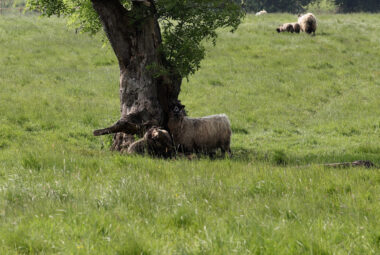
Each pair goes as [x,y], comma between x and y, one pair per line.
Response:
[295,102]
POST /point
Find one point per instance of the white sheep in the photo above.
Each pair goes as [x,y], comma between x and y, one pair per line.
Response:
[205,134]
[261,12]
[308,23]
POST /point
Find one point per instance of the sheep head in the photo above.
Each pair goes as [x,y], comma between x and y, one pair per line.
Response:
[159,142]
[177,112]
[155,134]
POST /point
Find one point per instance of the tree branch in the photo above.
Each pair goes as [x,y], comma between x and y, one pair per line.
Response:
[359,163]
[119,126]
[127,125]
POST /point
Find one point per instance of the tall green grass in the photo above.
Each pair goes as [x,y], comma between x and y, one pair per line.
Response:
[294,102]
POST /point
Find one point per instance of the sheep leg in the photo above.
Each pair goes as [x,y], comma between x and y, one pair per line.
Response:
[212,154]
[223,152]
[228,151]
[226,147]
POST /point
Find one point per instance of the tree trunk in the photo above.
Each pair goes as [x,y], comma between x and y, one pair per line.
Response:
[135,36]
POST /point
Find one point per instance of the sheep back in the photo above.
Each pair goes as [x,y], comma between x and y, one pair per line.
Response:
[286,27]
[137,147]
[204,134]
[261,12]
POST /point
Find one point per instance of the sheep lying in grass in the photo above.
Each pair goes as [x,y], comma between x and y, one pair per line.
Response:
[156,142]
[289,27]
[308,23]
[261,12]
[200,135]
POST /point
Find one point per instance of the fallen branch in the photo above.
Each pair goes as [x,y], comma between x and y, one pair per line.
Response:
[359,163]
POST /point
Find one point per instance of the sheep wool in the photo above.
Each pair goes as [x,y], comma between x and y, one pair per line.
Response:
[296,27]
[137,147]
[308,23]
[289,27]
[205,134]
[261,12]
[156,142]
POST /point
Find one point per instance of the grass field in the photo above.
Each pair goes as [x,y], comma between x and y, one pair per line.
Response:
[294,102]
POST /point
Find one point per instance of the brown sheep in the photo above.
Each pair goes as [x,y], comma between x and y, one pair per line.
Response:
[156,142]
[308,23]
[296,27]
[289,27]
[200,135]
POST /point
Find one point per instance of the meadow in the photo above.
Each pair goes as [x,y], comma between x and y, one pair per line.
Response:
[295,102]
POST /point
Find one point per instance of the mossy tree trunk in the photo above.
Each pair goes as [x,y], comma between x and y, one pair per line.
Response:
[145,93]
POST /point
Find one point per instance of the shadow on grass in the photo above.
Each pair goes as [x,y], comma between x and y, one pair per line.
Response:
[323,34]
[280,157]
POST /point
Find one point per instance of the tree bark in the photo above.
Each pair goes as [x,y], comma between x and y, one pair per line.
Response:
[135,36]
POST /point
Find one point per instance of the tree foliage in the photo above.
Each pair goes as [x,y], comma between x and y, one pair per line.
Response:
[292,6]
[184,24]
[358,5]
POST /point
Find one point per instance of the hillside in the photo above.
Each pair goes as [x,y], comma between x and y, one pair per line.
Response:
[294,101]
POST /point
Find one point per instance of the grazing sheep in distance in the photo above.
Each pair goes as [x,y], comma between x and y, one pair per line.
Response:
[261,12]
[289,27]
[156,141]
[296,27]
[205,134]
[308,23]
